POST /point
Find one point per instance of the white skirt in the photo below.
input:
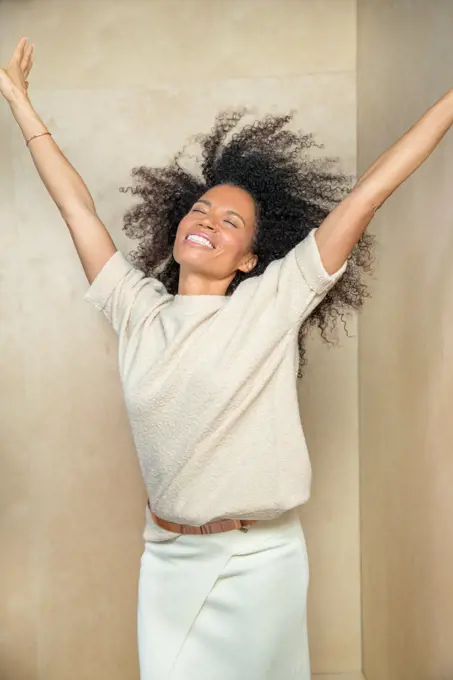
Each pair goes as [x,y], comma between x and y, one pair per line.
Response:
[228,606]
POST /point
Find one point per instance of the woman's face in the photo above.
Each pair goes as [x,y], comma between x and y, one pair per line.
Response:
[214,240]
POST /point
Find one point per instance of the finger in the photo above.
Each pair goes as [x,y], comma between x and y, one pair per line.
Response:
[27,73]
[25,63]
[19,51]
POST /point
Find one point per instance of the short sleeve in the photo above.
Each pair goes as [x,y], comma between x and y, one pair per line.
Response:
[123,293]
[299,281]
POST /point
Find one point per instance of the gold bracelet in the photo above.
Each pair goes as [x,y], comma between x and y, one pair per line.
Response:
[40,134]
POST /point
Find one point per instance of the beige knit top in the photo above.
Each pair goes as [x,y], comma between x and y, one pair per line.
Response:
[210,387]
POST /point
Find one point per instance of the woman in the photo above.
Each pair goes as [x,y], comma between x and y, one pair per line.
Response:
[231,268]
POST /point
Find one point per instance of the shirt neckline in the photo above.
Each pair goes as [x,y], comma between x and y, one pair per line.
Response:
[202,296]
[199,302]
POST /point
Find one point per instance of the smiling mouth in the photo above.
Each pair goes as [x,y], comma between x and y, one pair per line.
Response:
[199,240]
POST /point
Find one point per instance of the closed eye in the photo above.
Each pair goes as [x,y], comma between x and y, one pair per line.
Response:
[232,224]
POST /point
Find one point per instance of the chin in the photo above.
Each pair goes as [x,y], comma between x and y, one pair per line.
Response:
[195,262]
[186,254]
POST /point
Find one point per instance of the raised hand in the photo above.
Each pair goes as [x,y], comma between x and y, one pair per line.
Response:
[14,78]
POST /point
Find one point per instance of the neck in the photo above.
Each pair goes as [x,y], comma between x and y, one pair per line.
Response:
[194,284]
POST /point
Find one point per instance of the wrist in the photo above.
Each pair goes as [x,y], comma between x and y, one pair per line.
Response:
[20,101]
[26,117]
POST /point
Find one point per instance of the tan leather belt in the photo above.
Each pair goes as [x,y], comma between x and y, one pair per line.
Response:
[208,528]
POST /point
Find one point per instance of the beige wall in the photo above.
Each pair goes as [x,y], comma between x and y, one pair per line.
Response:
[405,58]
[122,83]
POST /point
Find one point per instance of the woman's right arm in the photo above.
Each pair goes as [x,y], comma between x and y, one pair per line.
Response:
[65,186]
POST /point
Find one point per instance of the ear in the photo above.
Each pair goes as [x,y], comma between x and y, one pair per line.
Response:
[248,263]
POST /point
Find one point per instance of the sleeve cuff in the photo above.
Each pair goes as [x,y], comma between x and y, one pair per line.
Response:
[311,266]
[101,288]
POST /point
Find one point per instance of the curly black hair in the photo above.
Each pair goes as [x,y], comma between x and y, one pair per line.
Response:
[292,190]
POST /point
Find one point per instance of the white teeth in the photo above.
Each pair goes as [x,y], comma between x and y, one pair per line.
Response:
[199,239]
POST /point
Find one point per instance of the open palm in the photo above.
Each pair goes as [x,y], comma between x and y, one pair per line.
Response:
[14,78]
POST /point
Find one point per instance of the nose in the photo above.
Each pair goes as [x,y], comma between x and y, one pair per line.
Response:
[207,223]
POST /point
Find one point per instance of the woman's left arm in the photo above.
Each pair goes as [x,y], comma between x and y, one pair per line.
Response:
[342,229]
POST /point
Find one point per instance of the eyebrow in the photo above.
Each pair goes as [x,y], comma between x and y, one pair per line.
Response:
[230,212]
